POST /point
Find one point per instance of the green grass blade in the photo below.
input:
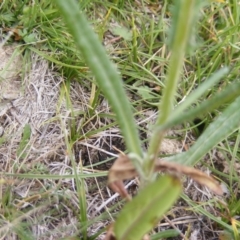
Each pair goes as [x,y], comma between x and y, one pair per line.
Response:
[198,208]
[55,176]
[141,214]
[229,94]
[202,89]
[165,234]
[103,69]
[51,59]
[217,131]
[21,151]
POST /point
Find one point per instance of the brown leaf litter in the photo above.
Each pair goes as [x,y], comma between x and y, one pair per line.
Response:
[123,169]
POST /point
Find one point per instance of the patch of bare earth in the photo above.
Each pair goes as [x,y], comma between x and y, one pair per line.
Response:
[48,208]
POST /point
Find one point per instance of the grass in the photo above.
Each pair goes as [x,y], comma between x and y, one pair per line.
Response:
[58,187]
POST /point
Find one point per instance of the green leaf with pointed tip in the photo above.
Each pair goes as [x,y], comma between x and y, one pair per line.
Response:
[217,131]
[229,94]
[140,215]
[145,92]
[202,89]
[21,151]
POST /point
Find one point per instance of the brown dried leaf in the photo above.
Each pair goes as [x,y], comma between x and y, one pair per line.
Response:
[15,31]
[122,169]
[110,234]
[118,187]
[197,175]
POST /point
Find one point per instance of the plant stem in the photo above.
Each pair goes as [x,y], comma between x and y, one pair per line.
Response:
[181,37]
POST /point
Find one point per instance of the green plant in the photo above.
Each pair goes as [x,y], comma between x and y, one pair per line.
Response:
[109,81]
[142,57]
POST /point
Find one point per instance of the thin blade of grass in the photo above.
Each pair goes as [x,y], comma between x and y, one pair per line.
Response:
[202,89]
[198,208]
[229,94]
[55,176]
[217,131]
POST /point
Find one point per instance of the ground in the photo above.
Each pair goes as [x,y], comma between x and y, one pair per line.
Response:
[39,108]
[55,152]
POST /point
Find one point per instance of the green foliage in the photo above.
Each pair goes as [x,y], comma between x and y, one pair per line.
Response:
[178,10]
[143,212]
[223,126]
[105,72]
[205,86]
[184,20]
[123,32]
[23,145]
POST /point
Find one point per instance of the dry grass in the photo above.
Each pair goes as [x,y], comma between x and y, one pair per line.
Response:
[38,193]
[50,207]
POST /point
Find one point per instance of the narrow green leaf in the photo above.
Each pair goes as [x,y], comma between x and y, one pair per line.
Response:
[55,176]
[51,59]
[217,131]
[229,94]
[197,208]
[165,234]
[21,151]
[191,22]
[103,69]
[140,215]
[202,89]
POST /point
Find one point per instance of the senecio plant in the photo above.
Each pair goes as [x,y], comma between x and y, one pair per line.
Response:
[157,193]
